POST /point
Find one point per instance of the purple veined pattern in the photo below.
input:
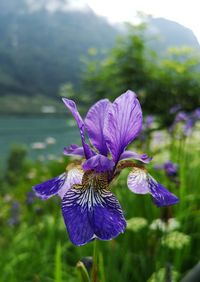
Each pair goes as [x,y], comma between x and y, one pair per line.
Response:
[50,187]
[88,214]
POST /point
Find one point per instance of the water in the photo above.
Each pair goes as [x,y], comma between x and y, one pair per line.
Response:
[26,130]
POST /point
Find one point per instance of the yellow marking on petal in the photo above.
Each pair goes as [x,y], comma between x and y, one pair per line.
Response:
[97,180]
[74,164]
[129,164]
[78,186]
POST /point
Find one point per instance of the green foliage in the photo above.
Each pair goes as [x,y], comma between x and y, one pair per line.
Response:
[37,248]
[159,82]
[125,68]
[16,164]
[174,80]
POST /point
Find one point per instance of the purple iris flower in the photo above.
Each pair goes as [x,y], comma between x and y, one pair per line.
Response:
[175,109]
[189,120]
[181,116]
[89,208]
[14,214]
[196,114]
[148,122]
[170,168]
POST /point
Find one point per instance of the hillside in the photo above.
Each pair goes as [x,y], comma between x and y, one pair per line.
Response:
[169,33]
[41,50]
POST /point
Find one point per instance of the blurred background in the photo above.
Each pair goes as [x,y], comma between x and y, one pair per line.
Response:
[86,51]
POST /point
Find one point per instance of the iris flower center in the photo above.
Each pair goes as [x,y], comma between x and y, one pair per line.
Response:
[94,180]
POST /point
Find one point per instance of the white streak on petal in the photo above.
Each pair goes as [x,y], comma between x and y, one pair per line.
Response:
[74,176]
[138,181]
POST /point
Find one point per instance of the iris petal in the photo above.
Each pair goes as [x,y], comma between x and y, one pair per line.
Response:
[99,163]
[140,182]
[58,185]
[72,107]
[137,181]
[74,176]
[108,218]
[132,155]
[90,213]
[123,123]
[161,196]
[75,214]
[94,122]
[50,187]
[74,150]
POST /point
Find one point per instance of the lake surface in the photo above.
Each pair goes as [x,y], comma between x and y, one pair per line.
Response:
[52,133]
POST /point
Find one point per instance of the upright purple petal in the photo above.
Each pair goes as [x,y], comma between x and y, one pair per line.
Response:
[90,213]
[94,122]
[132,155]
[74,150]
[72,107]
[98,163]
[140,182]
[50,187]
[123,123]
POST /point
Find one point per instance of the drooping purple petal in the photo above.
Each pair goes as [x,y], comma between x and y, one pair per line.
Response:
[94,122]
[74,150]
[50,187]
[98,163]
[140,182]
[90,213]
[123,123]
[74,176]
[161,196]
[132,155]
[108,219]
[72,107]
[75,214]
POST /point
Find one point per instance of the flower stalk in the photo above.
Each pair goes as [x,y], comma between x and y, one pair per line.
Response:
[94,273]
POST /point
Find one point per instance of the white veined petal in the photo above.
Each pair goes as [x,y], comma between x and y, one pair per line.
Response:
[138,181]
[74,176]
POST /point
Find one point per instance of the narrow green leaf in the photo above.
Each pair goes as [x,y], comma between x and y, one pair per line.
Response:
[82,272]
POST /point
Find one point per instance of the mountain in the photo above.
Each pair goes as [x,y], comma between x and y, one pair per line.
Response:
[168,33]
[41,49]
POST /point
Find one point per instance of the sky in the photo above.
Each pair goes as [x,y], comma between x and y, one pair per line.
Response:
[185,12]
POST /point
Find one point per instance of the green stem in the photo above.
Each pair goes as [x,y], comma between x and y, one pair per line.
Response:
[94,273]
